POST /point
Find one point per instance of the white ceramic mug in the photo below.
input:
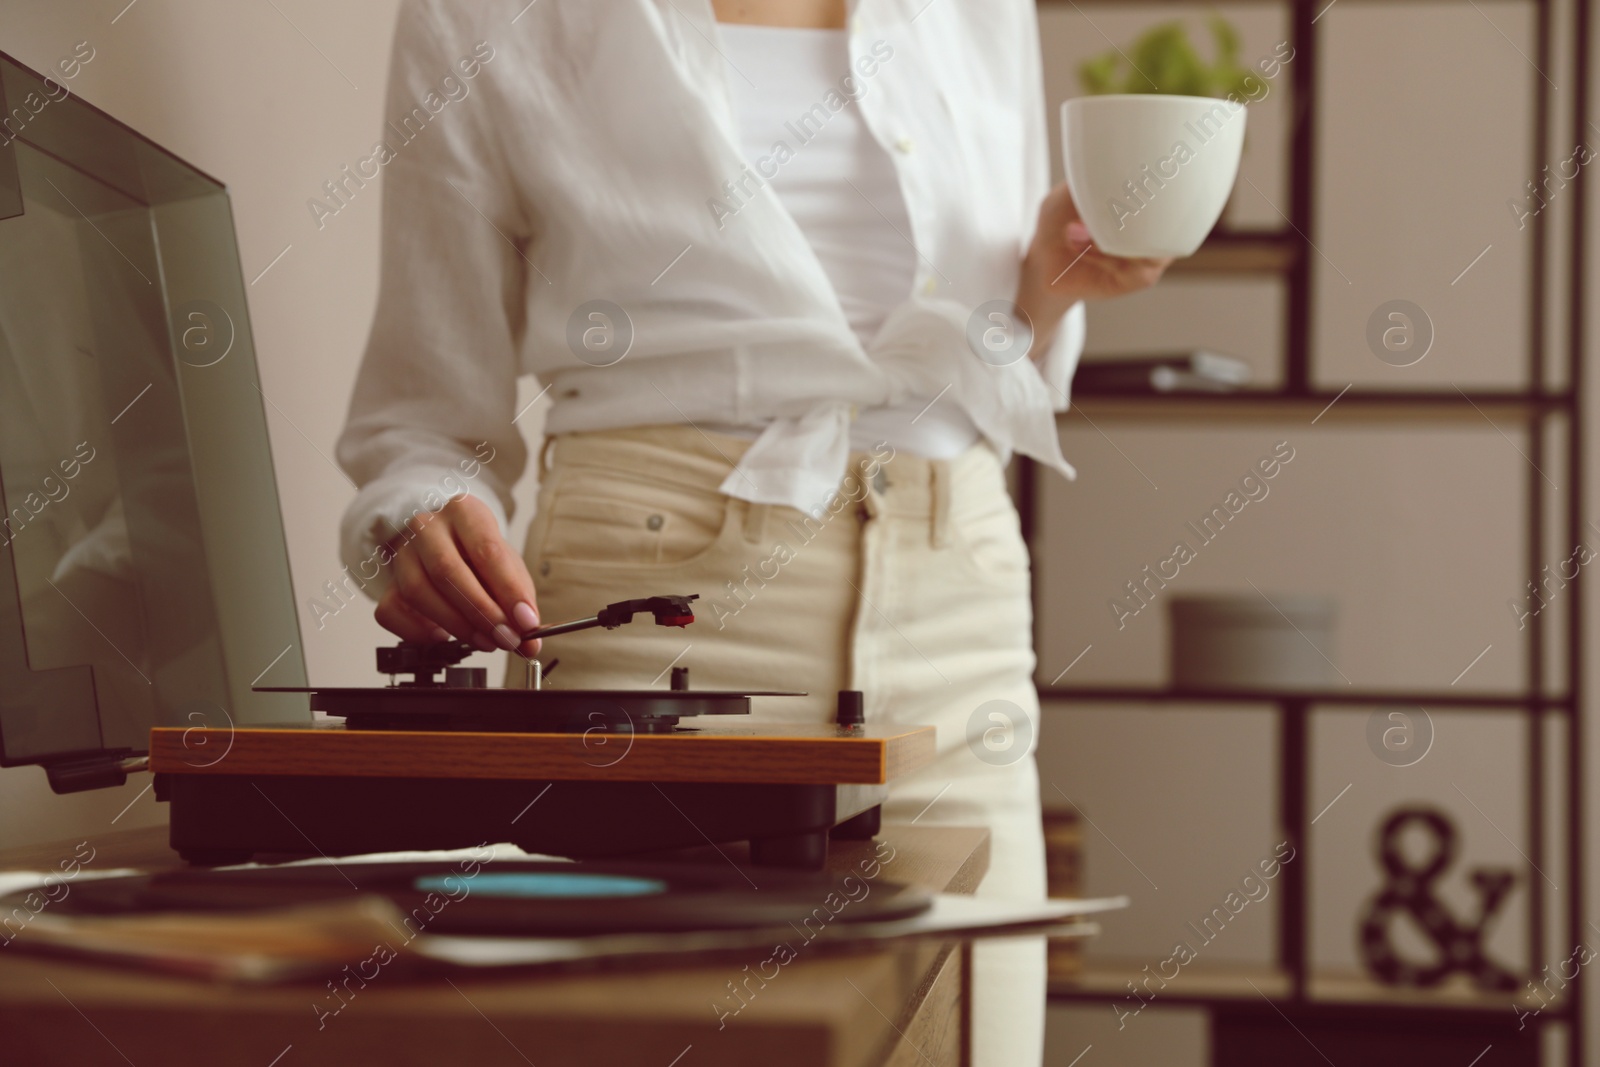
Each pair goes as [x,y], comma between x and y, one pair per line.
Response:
[1150,174]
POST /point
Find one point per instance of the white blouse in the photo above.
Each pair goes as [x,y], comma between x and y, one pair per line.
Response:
[842,189]
[565,196]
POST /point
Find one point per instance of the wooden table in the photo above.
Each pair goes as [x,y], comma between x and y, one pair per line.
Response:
[894,1008]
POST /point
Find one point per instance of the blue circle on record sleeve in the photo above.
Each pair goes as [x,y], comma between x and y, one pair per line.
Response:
[548,885]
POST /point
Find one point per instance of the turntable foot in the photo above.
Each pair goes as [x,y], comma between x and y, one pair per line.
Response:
[806,852]
[863,826]
[213,857]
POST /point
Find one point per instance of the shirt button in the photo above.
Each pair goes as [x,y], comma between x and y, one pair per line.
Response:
[930,286]
[904,144]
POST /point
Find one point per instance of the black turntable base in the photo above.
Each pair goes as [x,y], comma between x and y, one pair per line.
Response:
[221,819]
[334,791]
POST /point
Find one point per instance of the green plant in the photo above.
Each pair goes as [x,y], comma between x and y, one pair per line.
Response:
[1163,61]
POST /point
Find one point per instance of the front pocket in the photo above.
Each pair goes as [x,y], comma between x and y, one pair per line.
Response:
[992,542]
[627,523]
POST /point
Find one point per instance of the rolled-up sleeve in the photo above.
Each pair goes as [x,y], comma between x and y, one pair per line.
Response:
[431,414]
[1058,362]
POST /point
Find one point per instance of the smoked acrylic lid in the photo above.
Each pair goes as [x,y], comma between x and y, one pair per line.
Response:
[144,576]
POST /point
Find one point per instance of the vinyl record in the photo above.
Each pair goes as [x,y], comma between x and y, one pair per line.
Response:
[521,898]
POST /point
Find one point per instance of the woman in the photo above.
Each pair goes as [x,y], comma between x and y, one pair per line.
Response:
[793,280]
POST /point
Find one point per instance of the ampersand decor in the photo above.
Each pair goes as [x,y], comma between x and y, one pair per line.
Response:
[1408,890]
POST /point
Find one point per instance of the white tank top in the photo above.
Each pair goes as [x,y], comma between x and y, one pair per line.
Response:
[861,235]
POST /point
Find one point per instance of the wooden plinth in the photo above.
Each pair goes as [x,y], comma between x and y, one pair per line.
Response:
[731,752]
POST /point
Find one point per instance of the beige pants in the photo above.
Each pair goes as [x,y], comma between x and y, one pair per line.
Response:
[911,585]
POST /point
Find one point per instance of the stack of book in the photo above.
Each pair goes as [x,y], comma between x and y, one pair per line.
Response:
[1063,858]
[1185,372]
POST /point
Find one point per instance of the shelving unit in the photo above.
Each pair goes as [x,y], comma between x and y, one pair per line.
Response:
[1242,252]
[1204,984]
[1290,987]
[1277,405]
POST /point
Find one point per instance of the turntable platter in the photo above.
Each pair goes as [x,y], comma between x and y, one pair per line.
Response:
[523,710]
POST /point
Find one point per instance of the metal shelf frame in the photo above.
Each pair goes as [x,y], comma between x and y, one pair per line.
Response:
[1538,409]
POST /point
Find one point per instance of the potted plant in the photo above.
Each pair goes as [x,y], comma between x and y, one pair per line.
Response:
[1163,60]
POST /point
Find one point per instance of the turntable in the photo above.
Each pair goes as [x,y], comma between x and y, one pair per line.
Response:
[424,764]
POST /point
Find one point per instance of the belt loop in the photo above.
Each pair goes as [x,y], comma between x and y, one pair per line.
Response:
[939,489]
[755,522]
